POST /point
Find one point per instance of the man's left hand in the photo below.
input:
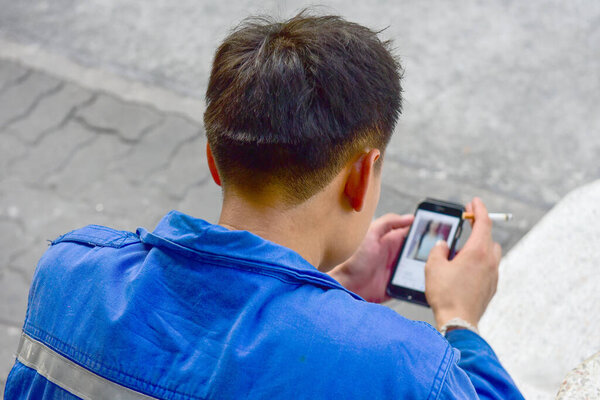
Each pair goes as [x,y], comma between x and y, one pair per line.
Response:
[368,271]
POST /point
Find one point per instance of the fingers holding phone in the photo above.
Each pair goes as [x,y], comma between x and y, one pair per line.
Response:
[464,286]
[434,220]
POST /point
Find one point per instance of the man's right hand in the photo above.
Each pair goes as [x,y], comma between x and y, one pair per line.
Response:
[463,287]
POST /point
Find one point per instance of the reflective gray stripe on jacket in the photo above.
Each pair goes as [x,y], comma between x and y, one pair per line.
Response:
[70,376]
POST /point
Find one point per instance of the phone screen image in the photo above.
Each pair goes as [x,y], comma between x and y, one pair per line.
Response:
[427,229]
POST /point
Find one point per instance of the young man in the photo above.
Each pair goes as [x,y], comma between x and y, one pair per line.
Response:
[269,303]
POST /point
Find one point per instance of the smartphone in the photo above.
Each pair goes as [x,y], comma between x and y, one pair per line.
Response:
[434,220]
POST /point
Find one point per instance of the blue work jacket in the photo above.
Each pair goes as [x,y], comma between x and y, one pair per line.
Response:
[196,311]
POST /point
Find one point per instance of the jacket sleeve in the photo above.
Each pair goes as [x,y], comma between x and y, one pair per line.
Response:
[479,364]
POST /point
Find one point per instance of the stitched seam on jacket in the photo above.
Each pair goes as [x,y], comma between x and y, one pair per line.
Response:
[94,240]
[120,237]
[438,382]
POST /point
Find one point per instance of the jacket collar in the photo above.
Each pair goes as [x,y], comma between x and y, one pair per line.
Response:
[242,249]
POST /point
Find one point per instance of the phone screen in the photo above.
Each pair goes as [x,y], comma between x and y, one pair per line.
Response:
[428,227]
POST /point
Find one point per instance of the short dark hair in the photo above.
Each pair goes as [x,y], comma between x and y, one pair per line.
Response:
[288,103]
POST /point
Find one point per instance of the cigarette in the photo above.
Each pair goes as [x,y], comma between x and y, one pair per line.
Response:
[493,216]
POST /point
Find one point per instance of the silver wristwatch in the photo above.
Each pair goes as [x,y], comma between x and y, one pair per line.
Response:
[457,323]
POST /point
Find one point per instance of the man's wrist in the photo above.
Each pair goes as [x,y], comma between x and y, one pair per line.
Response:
[457,323]
[444,317]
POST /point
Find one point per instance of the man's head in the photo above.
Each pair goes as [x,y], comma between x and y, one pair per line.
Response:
[298,114]
[289,104]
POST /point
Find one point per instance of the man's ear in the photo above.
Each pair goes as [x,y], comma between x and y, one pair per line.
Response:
[212,166]
[359,178]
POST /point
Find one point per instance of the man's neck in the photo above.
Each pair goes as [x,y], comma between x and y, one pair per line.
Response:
[299,228]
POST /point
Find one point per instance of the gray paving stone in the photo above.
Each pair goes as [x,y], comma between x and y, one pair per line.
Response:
[13,236]
[53,153]
[10,340]
[127,120]
[203,201]
[11,73]
[10,149]
[24,261]
[156,148]
[187,168]
[19,100]
[38,211]
[50,113]
[88,165]
[13,297]
[126,206]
